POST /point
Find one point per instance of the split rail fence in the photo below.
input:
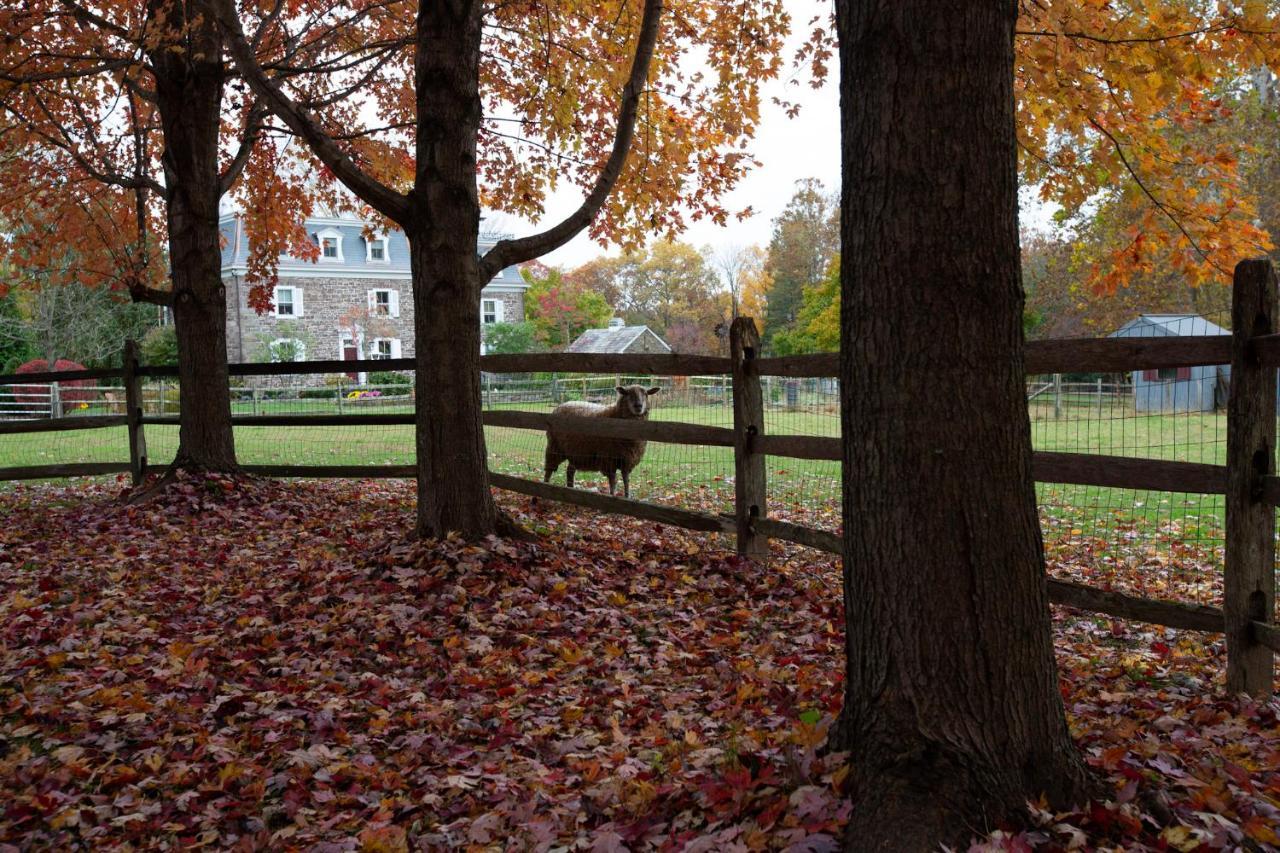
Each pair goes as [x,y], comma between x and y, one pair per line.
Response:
[1248,480]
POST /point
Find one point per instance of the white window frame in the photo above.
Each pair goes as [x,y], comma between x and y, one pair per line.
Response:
[295,301]
[393,349]
[393,302]
[377,240]
[336,236]
[301,349]
[497,311]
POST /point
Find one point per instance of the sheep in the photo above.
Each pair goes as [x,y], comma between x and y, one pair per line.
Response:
[595,453]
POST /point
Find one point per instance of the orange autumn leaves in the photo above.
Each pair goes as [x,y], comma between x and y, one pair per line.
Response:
[1112,103]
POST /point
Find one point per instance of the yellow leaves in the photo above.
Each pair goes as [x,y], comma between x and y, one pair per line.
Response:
[181,649]
[384,839]
[571,653]
[1180,838]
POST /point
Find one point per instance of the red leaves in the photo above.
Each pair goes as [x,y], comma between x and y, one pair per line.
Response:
[260,664]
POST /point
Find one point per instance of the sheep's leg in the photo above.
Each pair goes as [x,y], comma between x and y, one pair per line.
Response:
[568,475]
[613,480]
[626,482]
[550,464]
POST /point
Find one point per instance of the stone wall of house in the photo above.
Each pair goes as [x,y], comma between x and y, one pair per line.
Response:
[512,305]
[324,303]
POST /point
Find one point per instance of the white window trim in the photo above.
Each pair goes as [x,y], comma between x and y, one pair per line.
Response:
[330,234]
[301,349]
[394,348]
[393,302]
[368,249]
[497,310]
[296,301]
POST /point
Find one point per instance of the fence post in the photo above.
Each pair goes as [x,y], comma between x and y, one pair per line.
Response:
[1249,573]
[1057,395]
[55,401]
[133,411]
[750,489]
[1099,396]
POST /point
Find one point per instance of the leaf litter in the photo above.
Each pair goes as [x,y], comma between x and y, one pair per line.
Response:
[251,665]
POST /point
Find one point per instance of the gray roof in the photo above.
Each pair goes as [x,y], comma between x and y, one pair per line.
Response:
[350,231]
[1168,325]
[612,340]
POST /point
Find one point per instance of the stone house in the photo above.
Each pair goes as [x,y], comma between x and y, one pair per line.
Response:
[354,302]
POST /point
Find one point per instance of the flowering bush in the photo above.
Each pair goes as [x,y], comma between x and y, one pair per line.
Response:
[358,395]
[71,392]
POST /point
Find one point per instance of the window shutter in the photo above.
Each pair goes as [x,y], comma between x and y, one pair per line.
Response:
[395,304]
[373,302]
[395,347]
[1151,375]
[275,301]
[297,302]
[497,309]
[1184,373]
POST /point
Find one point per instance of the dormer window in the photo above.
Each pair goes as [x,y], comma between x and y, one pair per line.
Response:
[376,249]
[330,242]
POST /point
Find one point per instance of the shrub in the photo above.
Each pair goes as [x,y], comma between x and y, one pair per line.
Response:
[317,394]
[389,377]
[71,393]
[160,346]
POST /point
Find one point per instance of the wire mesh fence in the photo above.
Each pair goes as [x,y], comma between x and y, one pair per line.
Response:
[1086,415]
[1097,416]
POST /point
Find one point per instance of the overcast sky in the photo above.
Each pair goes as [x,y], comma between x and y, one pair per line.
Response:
[789,149]
[807,146]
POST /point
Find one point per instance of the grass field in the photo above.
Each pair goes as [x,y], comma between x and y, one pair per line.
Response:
[702,476]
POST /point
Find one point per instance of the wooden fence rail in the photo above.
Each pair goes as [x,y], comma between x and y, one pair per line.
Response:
[1247,480]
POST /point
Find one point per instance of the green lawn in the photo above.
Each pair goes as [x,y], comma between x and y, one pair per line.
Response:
[703,475]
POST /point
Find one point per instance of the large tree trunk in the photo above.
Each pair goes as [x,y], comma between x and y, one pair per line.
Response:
[189,85]
[952,711]
[453,478]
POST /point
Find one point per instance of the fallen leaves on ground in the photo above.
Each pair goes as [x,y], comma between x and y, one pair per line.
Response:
[256,664]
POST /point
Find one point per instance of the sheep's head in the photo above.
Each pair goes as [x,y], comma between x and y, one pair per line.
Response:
[633,400]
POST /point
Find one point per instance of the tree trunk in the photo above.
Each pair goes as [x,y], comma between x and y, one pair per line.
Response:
[952,711]
[453,476]
[189,99]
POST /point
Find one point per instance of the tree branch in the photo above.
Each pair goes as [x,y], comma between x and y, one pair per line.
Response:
[508,252]
[380,197]
[252,131]
[1160,205]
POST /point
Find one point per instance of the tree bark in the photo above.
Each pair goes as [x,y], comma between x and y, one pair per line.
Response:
[952,712]
[189,84]
[453,475]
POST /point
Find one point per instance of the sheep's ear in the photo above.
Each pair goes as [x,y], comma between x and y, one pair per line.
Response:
[654,390]
[620,389]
